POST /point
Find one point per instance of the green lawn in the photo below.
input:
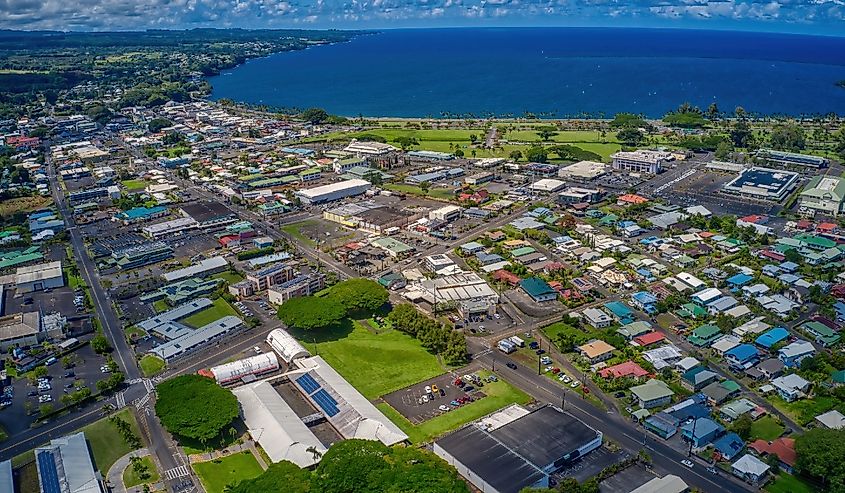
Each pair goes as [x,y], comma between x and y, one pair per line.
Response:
[215,475]
[160,306]
[766,428]
[787,483]
[73,281]
[134,331]
[375,364]
[105,441]
[499,395]
[295,230]
[229,277]
[434,192]
[804,411]
[219,309]
[130,478]
[151,365]
[134,184]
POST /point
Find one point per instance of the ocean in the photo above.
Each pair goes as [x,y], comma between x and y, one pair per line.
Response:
[549,72]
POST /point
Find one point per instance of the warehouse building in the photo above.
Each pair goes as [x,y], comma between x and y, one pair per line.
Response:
[286,346]
[276,427]
[456,288]
[583,171]
[547,185]
[510,450]
[196,339]
[362,149]
[209,215]
[203,268]
[20,330]
[641,161]
[763,184]
[824,194]
[792,159]
[243,370]
[65,466]
[169,228]
[349,412]
[333,191]
[39,277]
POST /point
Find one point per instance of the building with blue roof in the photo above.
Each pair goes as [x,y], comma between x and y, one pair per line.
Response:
[729,446]
[540,212]
[771,337]
[485,258]
[646,274]
[538,289]
[472,247]
[662,424]
[644,301]
[742,357]
[692,411]
[620,311]
[739,280]
[701,431]
[140,214]
[789,266]
[839,308]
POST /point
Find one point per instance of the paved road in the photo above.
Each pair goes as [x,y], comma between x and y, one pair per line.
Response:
[613,426]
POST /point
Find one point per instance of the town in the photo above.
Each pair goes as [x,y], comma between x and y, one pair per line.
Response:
[196,292]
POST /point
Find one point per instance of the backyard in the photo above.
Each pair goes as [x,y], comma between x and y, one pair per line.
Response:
[375,364]
[219,309]
[766,428]
[787,483]
[216,474]
[498,395]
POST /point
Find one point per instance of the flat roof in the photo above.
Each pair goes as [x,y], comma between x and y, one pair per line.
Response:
[206,211]
[39,272]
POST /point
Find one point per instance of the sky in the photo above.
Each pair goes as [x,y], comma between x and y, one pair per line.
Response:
[824,17]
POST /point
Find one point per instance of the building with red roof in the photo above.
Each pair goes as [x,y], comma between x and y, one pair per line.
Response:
[510,278]
[826,228]
[630,198]
[783,448]
[627,369]
[646,340]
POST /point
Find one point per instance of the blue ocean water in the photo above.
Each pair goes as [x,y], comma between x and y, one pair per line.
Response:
[554,72]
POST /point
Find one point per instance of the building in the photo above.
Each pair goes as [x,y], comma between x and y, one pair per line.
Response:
[763,184]
[824,194]
[701,431]
[641,161]
[203,268]
[456,288]
[792,159]
[209,215]
[195,339]
[782,448]
[20,329]
[479,178]
[576,195]
[667,484]
[583,171]
[538,289]
[286,346]
[597,318]
[141,255]
[7,477]
[138,214]
[301,285]
[750,469]
[65,466]
[520,449]
[793,353]
[276,427]
[39,277]
[333,191]
[446,214]
[596,351]
[790,387]
[243,370]
[269,276]
[653,393]
[832,419]
[363,149]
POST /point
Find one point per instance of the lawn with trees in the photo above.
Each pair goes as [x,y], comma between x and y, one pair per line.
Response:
[820,452]
[219,309]
[108,442]
[195,407]
[222,474]
[361,466]
[310,313]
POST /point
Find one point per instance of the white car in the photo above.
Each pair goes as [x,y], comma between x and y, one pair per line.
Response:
[424,399]
[575,384]
[562,377]
[566,379]
[687,463]
[549,368]
[257,349]
[444,408]
[428,389]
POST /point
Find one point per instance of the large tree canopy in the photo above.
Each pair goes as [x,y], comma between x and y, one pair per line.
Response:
[195,407]
[362,295]
[820,454]
[311,313]
[362,466]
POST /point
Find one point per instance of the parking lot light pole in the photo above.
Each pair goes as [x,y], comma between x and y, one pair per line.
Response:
[539,365]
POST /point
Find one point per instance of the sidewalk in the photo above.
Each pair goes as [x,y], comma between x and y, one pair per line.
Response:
[115,474]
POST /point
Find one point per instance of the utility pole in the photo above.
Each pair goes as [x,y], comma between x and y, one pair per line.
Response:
[539,365]
[563,400]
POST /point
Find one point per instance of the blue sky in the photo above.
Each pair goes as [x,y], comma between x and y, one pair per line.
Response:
[825,17]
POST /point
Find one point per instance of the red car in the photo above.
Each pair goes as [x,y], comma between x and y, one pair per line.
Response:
[555,370]
[459,382]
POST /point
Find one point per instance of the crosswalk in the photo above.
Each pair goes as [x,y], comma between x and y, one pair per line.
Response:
[149,385]
[120,400]
[177,472]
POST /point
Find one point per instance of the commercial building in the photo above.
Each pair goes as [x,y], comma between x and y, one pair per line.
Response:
[276,427]
[196,339]
[286,346]
[538,289]
[511,450]
[762,184]
[667,484]
[333,191]
[575,195]
[137,214]
[20,330]
[169,228]
[209,215]
[182,291]
[301,285]
[455,288]
[641,161]
[447,213]
[65,466]
[87,194]
[7,477]
[243,370]
[272,275]
[39,277]
[140,255]
[165,325]
[203,268]
[361,149]
[479,178]
[823,194]
[351,414]
[547,185]
[368,216]
[583,171]
[792,159]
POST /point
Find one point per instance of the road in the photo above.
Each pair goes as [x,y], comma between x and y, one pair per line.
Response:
[614,427]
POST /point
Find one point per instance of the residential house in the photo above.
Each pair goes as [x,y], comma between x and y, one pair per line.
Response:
[771,337]
[596,351]
[628,369]
[686,364]
[538,289]
[698,378]
[750,469]
[734,409]
[719,392]
[742,357]
[833,420]
[704,335]
[821,333]
[729,446]
[645,301]
[634,329]
[782,448]
[793,353]
[791,387]
[701,431]
[620,312]
[766,370]
[597,318]
[649,339]
[653,393]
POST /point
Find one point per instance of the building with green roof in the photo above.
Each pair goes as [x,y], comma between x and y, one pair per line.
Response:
[704,335]
[823,194]
[821,333]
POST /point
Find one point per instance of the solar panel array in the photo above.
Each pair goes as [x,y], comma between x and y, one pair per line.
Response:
[326,402]
[49,474]
[308,384]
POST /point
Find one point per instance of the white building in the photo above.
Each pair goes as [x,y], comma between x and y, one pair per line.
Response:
[641,161]
[447,213]
[39,277]
[333,191]
[241,369]
[547,185]
[286,346]
[361,149]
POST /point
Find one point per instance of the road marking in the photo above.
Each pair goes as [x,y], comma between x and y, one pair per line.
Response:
[176,473]
[120,400]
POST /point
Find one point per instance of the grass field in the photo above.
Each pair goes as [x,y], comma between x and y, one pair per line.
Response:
[130,478]
[805,410]
[134,331]
[295,230]
[787,483]
[23,204]
[375,364]
[499,395]
[160,306]
[134,184]
[105,441]
[229,277]
[215,475]
[219,309]
[73,281]
[766,428]
[435,192]
[151,365]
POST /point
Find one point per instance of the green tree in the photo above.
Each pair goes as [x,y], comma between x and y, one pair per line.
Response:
[546,134]
[100,344]
[283,476]
[458,153]
[156,124]
[840,142]
[195,407]
[515,155]
[311,313]
[792,255]
[630,136]
[713,111]
[820,453]
[359,295]
[406,142]
[536,155]
[724,150]
[742,426]
[629,120]
[788,138]
[314,115]
[741,134]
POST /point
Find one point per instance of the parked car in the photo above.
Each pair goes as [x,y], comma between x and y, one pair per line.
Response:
[510,365]
[455,403]
[444,407]
[427,389]
[687,463]
[575,384]
[469,388]
[434,389]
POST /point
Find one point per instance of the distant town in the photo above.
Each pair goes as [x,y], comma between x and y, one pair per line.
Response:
[206,296]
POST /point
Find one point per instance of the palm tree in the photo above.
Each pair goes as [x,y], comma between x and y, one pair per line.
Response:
[314,452]
[107,409]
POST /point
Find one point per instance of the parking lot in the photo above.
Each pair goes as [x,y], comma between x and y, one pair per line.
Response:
[591,464]
[418,405]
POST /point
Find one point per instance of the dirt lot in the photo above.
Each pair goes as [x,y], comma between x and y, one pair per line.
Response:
[408,400]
